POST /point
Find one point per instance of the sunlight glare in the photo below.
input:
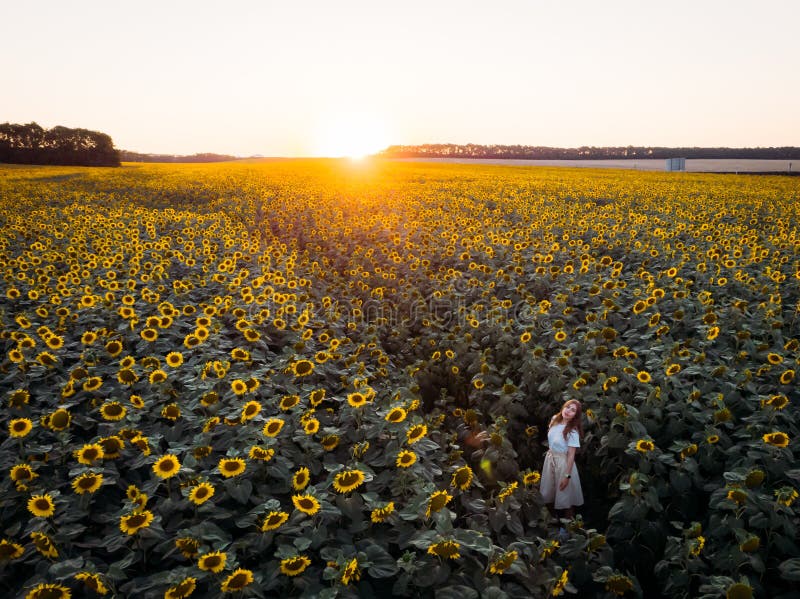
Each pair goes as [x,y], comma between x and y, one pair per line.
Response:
[351,135]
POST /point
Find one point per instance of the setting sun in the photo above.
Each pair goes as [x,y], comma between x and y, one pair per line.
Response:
[351,135]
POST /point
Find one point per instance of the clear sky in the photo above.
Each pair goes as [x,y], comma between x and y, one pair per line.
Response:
[328,77]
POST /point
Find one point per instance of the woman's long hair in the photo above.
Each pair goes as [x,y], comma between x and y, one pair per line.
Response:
[576,424]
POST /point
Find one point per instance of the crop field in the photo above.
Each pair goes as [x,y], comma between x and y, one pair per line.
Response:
[246,380]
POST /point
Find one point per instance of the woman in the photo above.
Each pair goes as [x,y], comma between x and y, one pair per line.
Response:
[560,484]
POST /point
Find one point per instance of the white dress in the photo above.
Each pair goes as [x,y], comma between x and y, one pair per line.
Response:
[553,471]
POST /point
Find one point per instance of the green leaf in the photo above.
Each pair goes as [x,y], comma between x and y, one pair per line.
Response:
[790,569]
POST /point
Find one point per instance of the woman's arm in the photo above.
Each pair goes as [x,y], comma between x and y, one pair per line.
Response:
[568,469]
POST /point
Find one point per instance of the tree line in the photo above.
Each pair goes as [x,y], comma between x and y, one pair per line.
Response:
[128,156]
[33,144]
[520,152]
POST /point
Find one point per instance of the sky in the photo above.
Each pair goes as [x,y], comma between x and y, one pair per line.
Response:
[306,78]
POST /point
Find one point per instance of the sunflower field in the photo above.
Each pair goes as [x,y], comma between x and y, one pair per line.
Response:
[247,380]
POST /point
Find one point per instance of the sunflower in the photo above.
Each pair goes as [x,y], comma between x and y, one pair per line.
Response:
[181,590]
[89,453]
[250,410]
[230,467]
[149,334]
[239,387]
[44,544]
[55,342]
[135,521]
[415,433]
[93,383]
[503,563]
[531,478]
[301,479]
[22,473]
[292,566]
[462,478]
[142,443]
[381,514]
[41,506]
[46,359]
[288,402]
[113,411]
[787,376]
[191,341]
[311,426]
[126,376]
[201,493]
[240,355]
[329,442]
[560,336]
[356,400]
[712,333]
[644,445]
[167,466]
[348,480]
[188,546]
[619,584]
[261,453]
[406,459]
[20,427]
[316,397]
[88,482]
[308,504]
[157,376]
[137,401]
[10,550]
[445,549]
[112,446]
[174,359]
[49,591]
[239,579]
[673,369]
[396,415]
[776,439]
[274,520]
[303,368]
[18,398]
[436,501]
[171,411]
[114,348]
[213,561]
[92,582]
[643,376]
[508,491]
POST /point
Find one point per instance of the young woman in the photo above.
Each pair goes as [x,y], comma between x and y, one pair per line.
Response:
[560,484]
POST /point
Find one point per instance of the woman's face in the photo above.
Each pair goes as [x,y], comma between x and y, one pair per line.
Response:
[568,412]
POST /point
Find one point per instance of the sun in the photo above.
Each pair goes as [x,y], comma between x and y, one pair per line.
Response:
[351,135]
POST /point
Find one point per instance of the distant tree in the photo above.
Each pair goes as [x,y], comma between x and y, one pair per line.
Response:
[32,144]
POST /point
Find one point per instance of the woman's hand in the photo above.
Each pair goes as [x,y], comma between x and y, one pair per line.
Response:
[563,484]
[476,440]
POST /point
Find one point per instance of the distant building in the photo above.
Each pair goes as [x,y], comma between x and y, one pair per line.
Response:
[676,164]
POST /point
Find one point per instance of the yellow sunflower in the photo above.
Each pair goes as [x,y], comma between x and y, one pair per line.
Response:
[406,459]
[503,563]
[41,506]
[87,483]
[644,445]
[303,368]
[44,544]
[213,561]
[308,504]
[301,479]
[92,582]
[230,467]
[113,411]
[462,478]
[10,550]
[90,453]
[381,514]
[436,501]
[274,520]
[348,480]
[174,359]
[356,400]
[135,521]
[250,410]
[49,591]
[167,466]
[288,402]
[415,433]
[238,579]
[20,427]
[396,415]
[445,549]
[181,590]
[776,439]
[201,493]
[292,566]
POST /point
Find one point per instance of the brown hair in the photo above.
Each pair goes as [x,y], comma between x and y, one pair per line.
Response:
[576,424]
